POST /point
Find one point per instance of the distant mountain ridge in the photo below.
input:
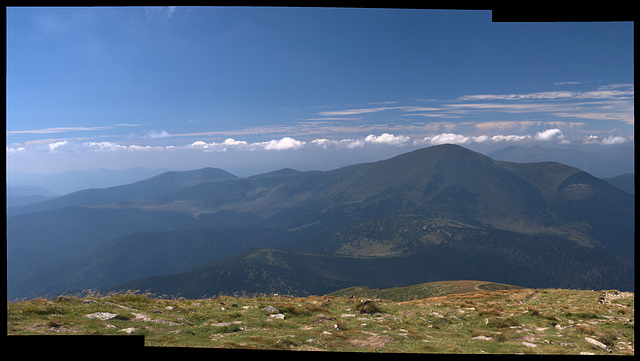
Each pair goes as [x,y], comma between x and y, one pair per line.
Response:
[442,212]
[75,180]
[602,162]
[21,195]
[626,182]
[146,188]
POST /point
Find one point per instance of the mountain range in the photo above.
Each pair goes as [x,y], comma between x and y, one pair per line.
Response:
[438,213]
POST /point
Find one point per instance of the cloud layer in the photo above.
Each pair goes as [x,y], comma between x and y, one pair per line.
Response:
[602,116]
[289,143]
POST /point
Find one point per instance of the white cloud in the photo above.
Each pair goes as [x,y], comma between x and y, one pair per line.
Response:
[16,150]
[233,142]
[609,140]
[509,138]
[386,138]
[548,134]
[154,134]
[198,144]
[103,146]
[481,138]
[54,146]
[324,143]
[284,143]
[230,143]
[448,138]
[614,140]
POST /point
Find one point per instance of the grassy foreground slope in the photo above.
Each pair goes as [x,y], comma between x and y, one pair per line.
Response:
[507,321]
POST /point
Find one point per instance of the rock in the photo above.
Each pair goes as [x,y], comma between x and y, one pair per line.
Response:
[279,316]
[597,343]
[223,324]
[103,316]
[528,344]
[121,306]
[165,322]
[129,330]
[486,338]
[141,317]
[271,309]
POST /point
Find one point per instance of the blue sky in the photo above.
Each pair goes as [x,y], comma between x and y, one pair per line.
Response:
[249,89]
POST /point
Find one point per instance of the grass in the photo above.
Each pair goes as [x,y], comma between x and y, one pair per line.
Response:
[526,321]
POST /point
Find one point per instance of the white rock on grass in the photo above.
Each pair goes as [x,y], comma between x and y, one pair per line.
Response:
[597,343]
[103,316]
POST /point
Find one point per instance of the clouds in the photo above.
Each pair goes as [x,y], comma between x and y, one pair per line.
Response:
[555,95]
[165,12]
[154,134]
[548,134]
[246,158]
[604,106]
[53,130]
[284,143]
[232,144]
[602,116]
[290,143]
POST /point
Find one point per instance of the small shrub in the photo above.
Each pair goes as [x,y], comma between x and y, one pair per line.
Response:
[493,311]
[533,311]
[580,315]
[131,297]
[467,303]
[607,337]
[501,337]
[293,310]
[234,327]
[587,330]
[368,307]
[43,309]
[503,323]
